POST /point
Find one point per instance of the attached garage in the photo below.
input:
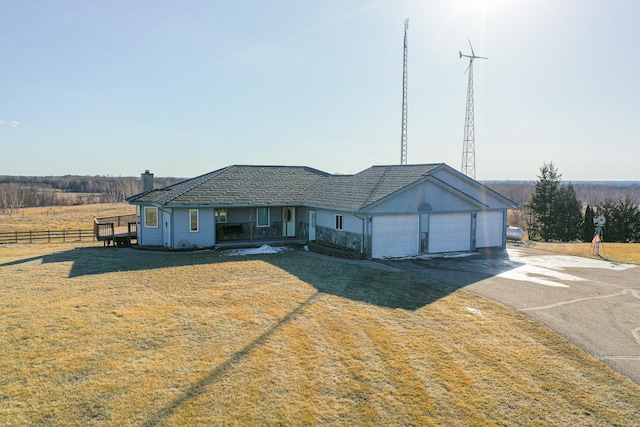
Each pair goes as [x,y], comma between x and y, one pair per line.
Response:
[490,229]
[394,235]
[449,232]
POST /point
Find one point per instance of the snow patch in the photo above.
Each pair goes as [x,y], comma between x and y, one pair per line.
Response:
[548,270]
[474,311]
[262,250]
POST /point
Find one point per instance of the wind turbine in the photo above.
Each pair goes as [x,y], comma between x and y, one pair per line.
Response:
[469,143]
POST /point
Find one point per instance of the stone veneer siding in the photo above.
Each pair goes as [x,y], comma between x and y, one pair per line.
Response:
[342,238]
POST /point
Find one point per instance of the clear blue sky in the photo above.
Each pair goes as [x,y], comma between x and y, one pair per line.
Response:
[183,88]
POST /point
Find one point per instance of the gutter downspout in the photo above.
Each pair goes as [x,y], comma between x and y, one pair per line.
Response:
[362,236]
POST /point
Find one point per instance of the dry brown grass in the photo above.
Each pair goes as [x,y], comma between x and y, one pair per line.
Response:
[101,336]
[58,218]
[627,253]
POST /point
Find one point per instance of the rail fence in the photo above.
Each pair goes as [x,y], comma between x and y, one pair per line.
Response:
[48,236]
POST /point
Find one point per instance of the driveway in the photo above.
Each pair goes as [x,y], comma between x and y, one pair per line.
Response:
[594,304]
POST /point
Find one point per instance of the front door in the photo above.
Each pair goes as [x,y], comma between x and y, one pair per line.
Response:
[312,225]
[289,222]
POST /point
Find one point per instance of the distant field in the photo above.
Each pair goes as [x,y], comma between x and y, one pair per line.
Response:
[58,218]
[626,253]
[102,336]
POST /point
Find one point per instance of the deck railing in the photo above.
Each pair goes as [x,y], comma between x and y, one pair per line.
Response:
[116,229]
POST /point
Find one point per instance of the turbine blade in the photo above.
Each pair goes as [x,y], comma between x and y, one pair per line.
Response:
[472,52]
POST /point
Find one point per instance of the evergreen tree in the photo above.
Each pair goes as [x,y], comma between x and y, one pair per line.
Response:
[626,221]
[609,232]
[587,225]
[544,199]
[568,215]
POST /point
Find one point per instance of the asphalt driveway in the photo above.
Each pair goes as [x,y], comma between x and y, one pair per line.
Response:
[594,304]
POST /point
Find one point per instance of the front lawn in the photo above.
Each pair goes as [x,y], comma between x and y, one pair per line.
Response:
[102,336]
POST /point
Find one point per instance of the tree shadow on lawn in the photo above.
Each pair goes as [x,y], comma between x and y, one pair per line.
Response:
[407,290]
[421,283]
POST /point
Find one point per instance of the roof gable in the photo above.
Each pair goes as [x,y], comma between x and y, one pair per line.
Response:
[355,192]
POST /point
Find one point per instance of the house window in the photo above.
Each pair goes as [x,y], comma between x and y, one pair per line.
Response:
[262,217]
[151,217]
[221,216]
[338,222]
[193,220]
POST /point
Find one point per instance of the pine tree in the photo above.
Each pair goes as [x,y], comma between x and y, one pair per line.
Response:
[626,219]
[587,225]
[544,199]
[568,215]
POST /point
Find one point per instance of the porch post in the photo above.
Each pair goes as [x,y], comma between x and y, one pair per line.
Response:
[251,225]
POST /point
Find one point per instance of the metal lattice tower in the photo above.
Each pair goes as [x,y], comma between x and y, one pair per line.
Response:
[469,143]
[403,148]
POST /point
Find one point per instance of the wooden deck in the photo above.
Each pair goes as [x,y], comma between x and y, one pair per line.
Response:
[120,230]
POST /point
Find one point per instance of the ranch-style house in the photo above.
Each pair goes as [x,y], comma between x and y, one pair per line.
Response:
[383,211]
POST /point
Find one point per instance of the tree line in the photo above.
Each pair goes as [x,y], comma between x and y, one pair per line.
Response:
[594,193]
[17,192]
[555,213]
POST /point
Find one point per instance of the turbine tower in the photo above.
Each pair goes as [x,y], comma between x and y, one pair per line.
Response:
[403,140]
[469,144]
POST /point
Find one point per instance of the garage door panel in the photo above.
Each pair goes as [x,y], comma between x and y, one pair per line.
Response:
[449,232]
[394,236]
[490,229]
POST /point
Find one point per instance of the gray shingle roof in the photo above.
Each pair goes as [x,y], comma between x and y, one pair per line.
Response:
[355,192]
[239,186]
[286,185]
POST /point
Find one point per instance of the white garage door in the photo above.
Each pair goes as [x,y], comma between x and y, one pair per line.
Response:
[394,236]
[489,229]
[449,232]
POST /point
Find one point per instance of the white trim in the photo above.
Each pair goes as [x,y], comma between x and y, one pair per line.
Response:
[197,211]
[258,218]
[145,217]
[313,217]
[217,213]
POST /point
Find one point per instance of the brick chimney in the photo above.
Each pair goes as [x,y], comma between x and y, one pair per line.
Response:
[147,181]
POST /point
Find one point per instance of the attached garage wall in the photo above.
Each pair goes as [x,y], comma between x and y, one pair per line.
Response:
[394,236]
[490,229]
[449,232]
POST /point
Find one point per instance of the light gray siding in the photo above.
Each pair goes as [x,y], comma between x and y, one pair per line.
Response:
[204,237]
[327,218]
[150,236]
[410,200]
[472,189]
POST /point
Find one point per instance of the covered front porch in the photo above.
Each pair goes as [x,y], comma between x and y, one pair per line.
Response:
[262,224]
